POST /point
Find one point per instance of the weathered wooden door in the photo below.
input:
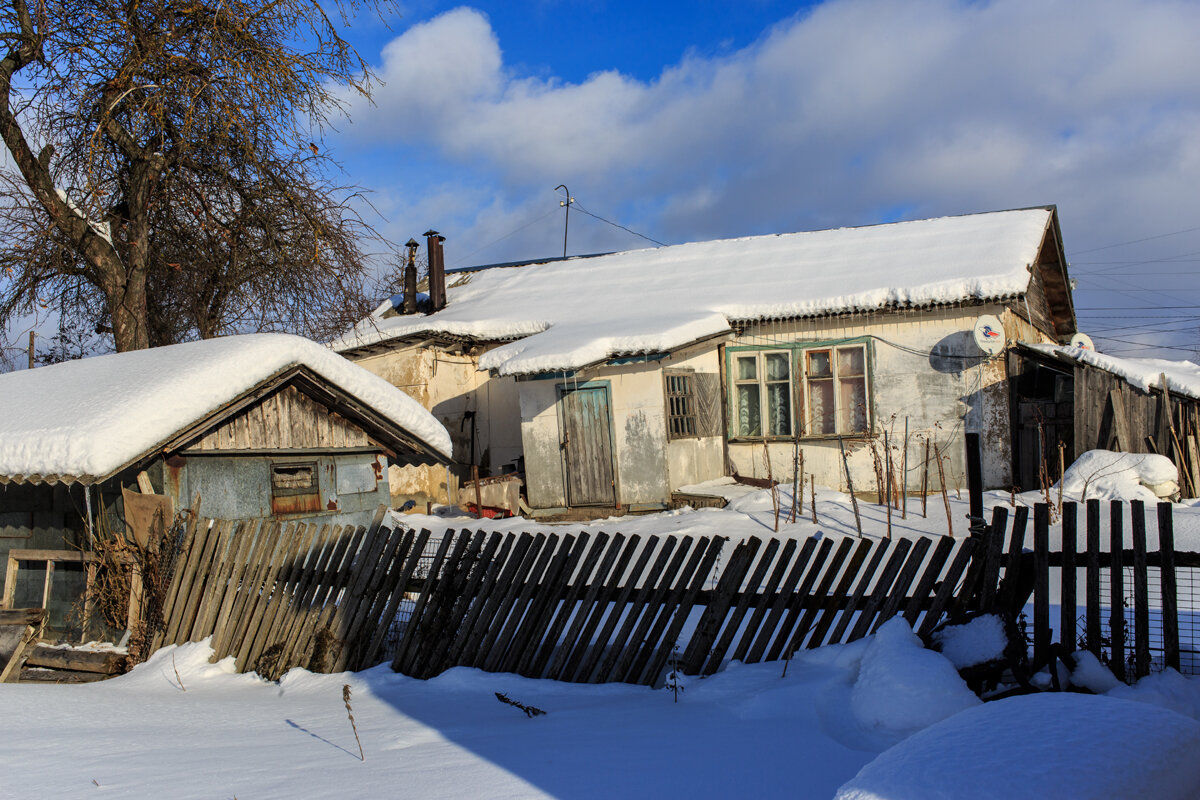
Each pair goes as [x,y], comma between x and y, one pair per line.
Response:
[587,446]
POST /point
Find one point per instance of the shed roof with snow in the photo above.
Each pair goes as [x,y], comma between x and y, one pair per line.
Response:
[84,421]
[1182,377]
[569,313]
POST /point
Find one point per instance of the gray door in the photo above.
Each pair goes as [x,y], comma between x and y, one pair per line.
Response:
[587,447]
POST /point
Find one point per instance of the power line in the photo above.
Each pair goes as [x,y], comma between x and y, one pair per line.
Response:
[462,259]
[617,225]
[1135,241]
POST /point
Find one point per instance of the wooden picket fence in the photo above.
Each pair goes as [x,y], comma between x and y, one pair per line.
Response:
[571,608]
[280,595]
[1126,575]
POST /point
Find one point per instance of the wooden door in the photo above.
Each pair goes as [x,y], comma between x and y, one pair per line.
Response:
[587,446]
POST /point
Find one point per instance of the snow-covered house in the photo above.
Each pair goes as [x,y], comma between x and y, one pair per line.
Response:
[620,378]
[267,425]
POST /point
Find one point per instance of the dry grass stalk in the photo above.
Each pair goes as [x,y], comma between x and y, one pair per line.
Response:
[177,678]
[350,714]
[813,484]
[771,481]
[937,454]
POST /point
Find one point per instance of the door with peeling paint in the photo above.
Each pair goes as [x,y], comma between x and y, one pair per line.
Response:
[587,446]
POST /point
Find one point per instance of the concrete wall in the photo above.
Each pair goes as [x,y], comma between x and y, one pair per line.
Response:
[452,388]
[923,369]
[648,466]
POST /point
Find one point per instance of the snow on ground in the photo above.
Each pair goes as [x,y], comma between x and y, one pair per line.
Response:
[1106,475]
[1046,745]
[881,716]
[128,403]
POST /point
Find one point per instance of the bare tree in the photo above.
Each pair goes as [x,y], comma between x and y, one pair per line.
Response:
[164,166]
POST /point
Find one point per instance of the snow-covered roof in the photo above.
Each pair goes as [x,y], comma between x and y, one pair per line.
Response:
[1183,377]
[566,314]
[83,420]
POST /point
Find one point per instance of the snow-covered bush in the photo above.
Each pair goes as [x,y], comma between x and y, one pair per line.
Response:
[1105,475]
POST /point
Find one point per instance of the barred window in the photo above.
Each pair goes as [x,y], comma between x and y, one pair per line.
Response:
[681,404]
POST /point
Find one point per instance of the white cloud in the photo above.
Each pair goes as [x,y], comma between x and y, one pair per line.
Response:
[834,117]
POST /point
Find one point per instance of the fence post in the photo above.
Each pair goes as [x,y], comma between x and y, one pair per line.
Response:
[1041,582]
[1092,625]
[1066,636]
[1170,602]
[1141,591]
[1116,597]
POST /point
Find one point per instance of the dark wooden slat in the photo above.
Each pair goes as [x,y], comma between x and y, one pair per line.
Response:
[223,585]
[1068,601]
[832,605]
[592,659]
[411,635]
[437,586]
[378,542]
[1169,588]
[448,605]
[880,590]
[860,591]
[653,603]
[272,631]
[249,588]
[525,555]
[1116,598]
[734,623]
[792,634]
[1012,568]
[256,610]
[545,604]
[718,605]
[995,546]
[1092,586]
[579,602]
[396,591]
[682,611]
[1141,591]
[516,612]
[908,573]
[941,552]
[607,587]
[587,611]
[668,609]
[945,592]
[379,595]
[760,609]
[637,601]
[797,601]
[1041,583]
[467,603]
[787,591]
[487,596]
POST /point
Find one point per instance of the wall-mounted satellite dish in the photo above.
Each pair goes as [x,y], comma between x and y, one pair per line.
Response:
[989,334]
[1083,342]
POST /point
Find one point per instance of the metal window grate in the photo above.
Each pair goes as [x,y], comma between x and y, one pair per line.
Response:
[681,404]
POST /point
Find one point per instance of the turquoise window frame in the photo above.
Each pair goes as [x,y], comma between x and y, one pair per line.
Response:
[798,386]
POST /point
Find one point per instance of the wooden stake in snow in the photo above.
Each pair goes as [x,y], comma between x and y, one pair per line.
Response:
[904,475]
[797,473]
[813,479]
[937,453]
[888,485]
[925,482]
[850,486]
[1062,472]
[771,482]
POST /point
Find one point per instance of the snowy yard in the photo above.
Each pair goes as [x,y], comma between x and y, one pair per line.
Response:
[880,718]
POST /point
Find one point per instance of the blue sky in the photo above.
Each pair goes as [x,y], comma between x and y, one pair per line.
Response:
[703,120]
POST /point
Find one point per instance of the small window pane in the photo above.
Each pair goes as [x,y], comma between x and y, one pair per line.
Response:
[853,404]
[779,410]
[819,365]
[851,361]
[820,407]
[749,413]
[778,366]
[747,368]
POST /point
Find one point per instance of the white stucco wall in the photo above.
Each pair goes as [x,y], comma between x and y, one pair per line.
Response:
[915,378]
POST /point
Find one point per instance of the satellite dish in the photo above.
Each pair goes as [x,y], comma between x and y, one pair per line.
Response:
[989,334]
[1083,342]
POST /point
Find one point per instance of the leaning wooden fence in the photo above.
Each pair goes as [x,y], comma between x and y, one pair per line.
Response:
[1123,572]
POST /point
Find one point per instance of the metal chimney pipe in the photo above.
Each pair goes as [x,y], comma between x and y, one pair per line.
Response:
[410,278]
[437,270]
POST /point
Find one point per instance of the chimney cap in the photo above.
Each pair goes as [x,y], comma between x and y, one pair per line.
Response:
[431,233]
[411,243]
